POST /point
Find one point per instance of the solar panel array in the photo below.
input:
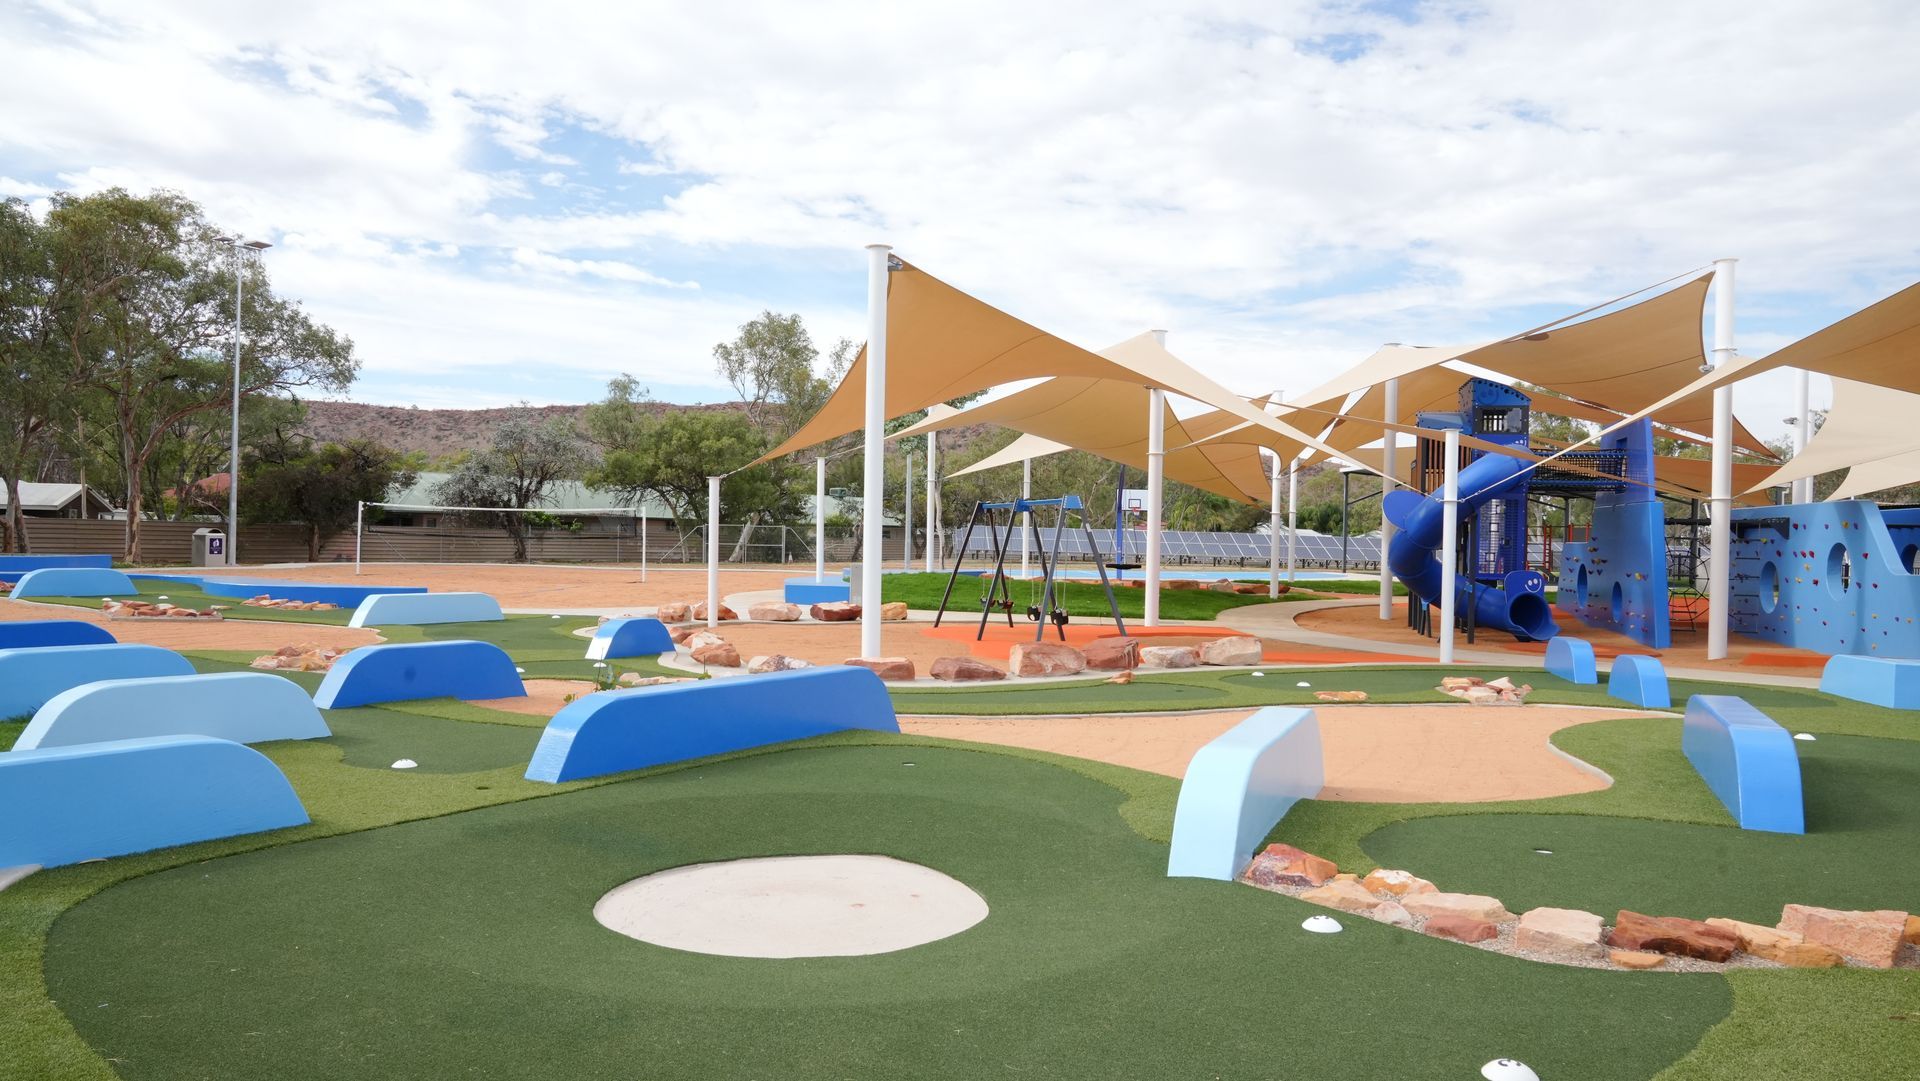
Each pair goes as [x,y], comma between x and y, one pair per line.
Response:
[1190,548]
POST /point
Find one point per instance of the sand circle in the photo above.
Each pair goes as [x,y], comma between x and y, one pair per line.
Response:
[792,906]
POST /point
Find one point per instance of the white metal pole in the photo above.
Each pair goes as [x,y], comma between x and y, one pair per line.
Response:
[933,502]
[359,517]
[1390,465]
[1802,431]
[1273,531]
[233,431]
[874,481]
[906,543]
[713,552]
[643,540]
[1026,519]
[1156,474]
[1293,514]
[1449,541]
[820,518]
[1720,528]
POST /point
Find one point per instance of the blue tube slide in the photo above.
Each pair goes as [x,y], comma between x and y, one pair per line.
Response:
[1521,607]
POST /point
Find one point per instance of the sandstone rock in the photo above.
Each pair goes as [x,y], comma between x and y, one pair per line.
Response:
[700,612]
[1346,876]
[1672,934]
[1285,865]
[1112,654]
[1868,938]
[699,639]
[1911,936]
[681,634]
[1121,678]
[635,679]
[1340,696]
[717,655]
[1394,913]
[1471,905]
[1397,883]
[893,610]
[1772,944]
[775,662]
[888,668]
[1221,586]
[1460,928]
[1238,650]
[673,613]
[1561,933]
[964,670]
[1169,657]
[1345,896]
[1253,590]
[1045,659]
[1181,583]
[1636,959]
[774,612]
[835,611]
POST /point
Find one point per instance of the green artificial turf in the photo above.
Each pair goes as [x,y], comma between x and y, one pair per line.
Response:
[1082,600]
[187,596]
[464,946]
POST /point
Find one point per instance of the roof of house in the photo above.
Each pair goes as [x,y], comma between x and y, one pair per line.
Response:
[48,497]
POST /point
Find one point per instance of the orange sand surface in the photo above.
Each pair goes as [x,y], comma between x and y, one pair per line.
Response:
[544,697]
[263,635]
[1375,754]
[537,585]
[1689,649]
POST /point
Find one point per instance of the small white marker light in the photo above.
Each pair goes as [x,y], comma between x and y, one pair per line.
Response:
[1508,1069]
[1805,736]
[553,617]
[1543,851]
[1321,925]
[405,763]
[1259,675]
[1303,683]
[520,670]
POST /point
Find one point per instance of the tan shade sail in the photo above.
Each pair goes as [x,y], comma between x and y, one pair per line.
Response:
[1867,424]
[1020,450]
[943,344]
[1870,477]
[1680,478]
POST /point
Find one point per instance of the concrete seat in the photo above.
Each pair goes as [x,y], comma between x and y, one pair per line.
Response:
[1571,659]
[30,677]
[1880,681]
[405,671]
[1239,786]
[74,582]
[1748,760]
[1639,680]
[31,633]
[629,637]
[245,707]
[417,609]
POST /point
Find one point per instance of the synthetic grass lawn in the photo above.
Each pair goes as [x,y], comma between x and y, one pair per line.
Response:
[1082,600]
[465,946]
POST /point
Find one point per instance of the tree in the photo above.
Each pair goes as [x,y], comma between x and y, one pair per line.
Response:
[321,487]
[30,382]
[771,365]
[153,339]
[524,460]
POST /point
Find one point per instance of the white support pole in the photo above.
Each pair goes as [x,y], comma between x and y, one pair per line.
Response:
[1156,480]
[1293,515]
[359,520]
[1802,431]
[1390,465]
[933,502]
[643,539]
[873,481]
[1720,505]
[906,514]
[1273,531]
[820,519]
[1026,519]
[233,430]
[713,552]
[1449,541]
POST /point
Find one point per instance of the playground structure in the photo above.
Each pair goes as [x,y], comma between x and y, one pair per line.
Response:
[996,594]
[1836,578]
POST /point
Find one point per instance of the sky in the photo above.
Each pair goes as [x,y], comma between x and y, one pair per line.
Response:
[516,202]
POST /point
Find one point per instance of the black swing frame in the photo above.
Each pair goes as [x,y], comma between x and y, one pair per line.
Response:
[998,593]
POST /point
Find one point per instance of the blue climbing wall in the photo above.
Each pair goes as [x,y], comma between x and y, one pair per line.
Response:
[1830,577]
[1618,579]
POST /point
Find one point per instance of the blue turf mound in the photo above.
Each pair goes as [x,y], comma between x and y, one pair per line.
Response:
[32,633]
[397,673]
[1880,681]
[245,707]
[30,677]
[415,609]
[1640,680]
[1239,786]
[1748,760]
[74,582]
[1571,659]
[629,637]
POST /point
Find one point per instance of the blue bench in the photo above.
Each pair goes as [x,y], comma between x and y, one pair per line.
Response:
[617,731]
[245,707]
[1240,786]
[32,633]
[1879,681]
[629,637]
[67,804]
[1748,760]
[74,582]
[401,672]
[415,609]
[1571,659]
[815,591]
[1640,680]
[31,676]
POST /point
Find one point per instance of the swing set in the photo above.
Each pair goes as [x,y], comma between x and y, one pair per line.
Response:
[996,594]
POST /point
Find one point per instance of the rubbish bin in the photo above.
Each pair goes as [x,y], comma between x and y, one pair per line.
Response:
[209,548]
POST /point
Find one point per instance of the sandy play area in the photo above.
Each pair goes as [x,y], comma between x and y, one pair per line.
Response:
[544,697]
[1374,754]
[254,634]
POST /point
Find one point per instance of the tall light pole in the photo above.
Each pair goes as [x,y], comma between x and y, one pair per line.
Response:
[233,433]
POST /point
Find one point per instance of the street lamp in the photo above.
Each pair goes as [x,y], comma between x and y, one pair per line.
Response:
[233,433]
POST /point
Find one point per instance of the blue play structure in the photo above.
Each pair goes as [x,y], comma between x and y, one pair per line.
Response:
[400,672]
[74,582]
[415,609]
[1835,578]
[28,633]
[616,731]
[808,591]
[68,804]
[1748,761]
[1494,587]
[245,707]
[1571,659]
[1239,786]
[12,567]
[1639,680]
[629,637]
[346,596]
[1880,681]
[30,677]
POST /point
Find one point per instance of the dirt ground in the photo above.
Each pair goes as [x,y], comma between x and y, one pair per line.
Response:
[253,634]
[541,585]
[1374,754]
[1689,650]
[544,697]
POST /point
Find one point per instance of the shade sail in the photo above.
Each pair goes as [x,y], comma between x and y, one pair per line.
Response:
[1680,478]
[1867,424]
[1020,450]
[943,344]
[1871,477]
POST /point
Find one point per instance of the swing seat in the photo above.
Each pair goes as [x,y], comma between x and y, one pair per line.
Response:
[1125,566]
